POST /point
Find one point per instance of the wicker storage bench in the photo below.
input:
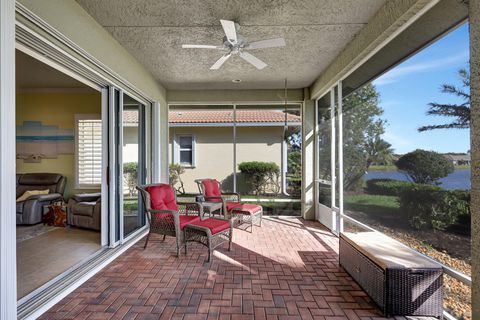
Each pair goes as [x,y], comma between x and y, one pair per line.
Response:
[401,282]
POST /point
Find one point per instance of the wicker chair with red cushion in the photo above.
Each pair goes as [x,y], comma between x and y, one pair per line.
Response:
[210,189]
[165,216]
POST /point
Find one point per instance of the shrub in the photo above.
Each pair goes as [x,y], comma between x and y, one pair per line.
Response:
[425,166]
[261,177]
[459,201]
[430,207]
[294,186]
[387,187]
[295,163]
[130,175]
[175,176]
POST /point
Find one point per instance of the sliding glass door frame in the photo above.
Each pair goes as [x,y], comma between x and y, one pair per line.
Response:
[331,216]
[116,140]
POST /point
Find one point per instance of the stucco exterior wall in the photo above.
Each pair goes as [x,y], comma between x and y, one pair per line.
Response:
[214,152]
[475,151]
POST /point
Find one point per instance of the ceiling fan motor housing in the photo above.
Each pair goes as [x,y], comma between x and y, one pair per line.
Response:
[241,43]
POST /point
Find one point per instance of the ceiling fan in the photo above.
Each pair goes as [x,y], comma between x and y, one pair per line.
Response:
[236,44]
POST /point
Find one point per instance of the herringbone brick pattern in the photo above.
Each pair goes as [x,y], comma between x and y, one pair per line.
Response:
[287,269]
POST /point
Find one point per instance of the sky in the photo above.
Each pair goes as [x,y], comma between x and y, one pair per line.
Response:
[406,90]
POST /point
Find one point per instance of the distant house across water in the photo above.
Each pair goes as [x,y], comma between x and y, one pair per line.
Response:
[459,159]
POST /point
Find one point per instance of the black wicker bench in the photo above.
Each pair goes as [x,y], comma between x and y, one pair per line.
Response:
[399,280]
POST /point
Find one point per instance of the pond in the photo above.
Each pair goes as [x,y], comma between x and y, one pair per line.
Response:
[459,179]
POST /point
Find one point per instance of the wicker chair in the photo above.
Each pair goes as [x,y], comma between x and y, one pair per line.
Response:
[211,191]
[232,205]
[165,216]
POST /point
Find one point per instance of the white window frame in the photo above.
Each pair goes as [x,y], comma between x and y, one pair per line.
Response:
[77,118]
[177,149]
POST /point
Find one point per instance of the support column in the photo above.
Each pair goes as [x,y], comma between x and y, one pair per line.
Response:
[308,157]
[474,13]
[8,272]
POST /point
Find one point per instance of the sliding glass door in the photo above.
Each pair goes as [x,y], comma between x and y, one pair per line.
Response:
[129,141]
[133,163]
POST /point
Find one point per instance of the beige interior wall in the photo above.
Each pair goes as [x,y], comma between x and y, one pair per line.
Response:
[56,108]
[214,152]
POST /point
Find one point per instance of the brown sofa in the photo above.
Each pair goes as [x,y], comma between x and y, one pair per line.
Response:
[84,210]
[30,211]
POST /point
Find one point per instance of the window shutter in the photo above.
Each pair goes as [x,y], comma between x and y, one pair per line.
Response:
[89,152]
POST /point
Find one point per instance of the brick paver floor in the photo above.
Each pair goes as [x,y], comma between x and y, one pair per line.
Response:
[287,269]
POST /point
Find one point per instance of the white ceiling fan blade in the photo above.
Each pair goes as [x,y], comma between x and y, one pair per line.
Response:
[200,46]
[270,43]
[259,64]
[220,61]
[230,31]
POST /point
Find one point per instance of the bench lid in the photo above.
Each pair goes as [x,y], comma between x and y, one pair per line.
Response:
[387,252]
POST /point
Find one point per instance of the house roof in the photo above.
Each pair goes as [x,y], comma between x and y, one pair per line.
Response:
[457,157]
[226,116]
[221,117]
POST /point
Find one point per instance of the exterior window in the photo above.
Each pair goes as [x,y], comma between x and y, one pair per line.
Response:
[88,151]
[185,152]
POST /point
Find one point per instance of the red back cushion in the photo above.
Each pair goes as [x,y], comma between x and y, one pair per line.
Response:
[162,197]
[211,188]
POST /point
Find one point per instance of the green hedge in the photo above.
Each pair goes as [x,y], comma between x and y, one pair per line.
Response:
[261,177]
[387,187]
[429,207]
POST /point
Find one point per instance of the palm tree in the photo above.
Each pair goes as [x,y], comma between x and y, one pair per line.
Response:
[460,112]
[378,151]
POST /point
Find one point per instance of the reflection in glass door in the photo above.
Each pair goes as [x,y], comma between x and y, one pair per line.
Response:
[130,164]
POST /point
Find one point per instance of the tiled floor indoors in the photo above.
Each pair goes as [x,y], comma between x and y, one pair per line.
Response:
[287,269]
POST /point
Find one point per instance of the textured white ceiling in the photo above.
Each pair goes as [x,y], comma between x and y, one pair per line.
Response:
[154,30]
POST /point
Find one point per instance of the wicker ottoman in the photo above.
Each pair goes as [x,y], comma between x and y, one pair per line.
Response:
[210,232]
[400,281]
[247,213]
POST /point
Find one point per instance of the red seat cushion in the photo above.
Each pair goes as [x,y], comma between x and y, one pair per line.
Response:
[215,225]
[162,197]
[168,218]
[247,208]
[231,205]
[184,220]
[211,188]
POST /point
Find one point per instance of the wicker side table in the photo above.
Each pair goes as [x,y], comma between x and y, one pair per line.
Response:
[400,281]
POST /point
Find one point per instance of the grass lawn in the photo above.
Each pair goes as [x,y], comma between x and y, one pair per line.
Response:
[373,204]
[383,168]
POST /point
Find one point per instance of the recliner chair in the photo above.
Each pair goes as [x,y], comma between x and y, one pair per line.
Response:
[85,210]
[30,211]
